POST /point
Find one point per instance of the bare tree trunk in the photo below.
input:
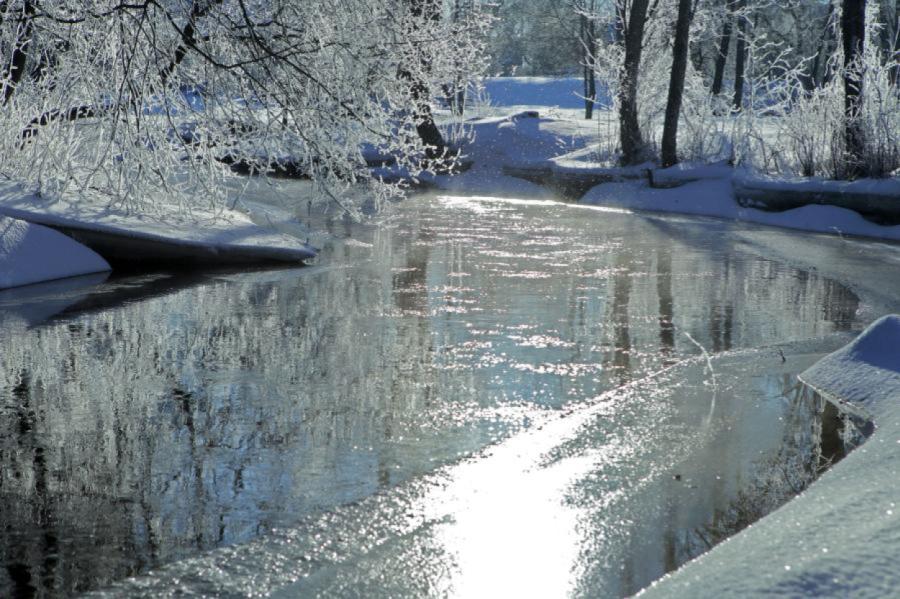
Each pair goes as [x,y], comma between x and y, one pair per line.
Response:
[633,148]
[589,40]
[722,55]
[887,20]
[853,28]
[676,82]
[19,57]
[619,25]
[740,61]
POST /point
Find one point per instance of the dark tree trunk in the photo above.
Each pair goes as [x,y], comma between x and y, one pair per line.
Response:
[633,149]
[676,82]
[427,129]
[853,29]
[18,59]
[698,58]
[722,55]
[588,41]
[590,92]
[740,60]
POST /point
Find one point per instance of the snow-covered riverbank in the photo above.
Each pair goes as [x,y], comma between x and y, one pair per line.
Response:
[839,538]
[187,236]
[544,149]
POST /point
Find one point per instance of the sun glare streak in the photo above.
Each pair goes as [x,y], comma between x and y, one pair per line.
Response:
[479,203]
[505,517]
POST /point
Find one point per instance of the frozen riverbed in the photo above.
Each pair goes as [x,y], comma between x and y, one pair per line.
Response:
[568,394]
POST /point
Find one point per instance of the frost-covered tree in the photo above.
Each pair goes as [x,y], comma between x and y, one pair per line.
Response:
[154,101]
[535,37]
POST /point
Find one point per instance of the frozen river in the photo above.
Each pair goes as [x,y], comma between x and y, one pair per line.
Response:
[470,397]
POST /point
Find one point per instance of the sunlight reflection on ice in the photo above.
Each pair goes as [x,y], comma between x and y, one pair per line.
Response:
[480,203]
[506,521]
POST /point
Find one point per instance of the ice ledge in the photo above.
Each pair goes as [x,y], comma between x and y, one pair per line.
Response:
[201,237]
[840,537]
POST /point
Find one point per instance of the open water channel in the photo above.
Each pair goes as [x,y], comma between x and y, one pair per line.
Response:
[467,397]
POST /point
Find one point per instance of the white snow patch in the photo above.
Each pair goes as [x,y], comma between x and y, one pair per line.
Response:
[840,537]
[521,140]
[33,254]
[715,198]
[866,371]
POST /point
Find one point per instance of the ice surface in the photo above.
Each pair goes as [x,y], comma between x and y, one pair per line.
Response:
[32,254]
[513,297]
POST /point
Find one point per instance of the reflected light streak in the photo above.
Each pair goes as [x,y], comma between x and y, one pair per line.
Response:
[505,520]
[478,203]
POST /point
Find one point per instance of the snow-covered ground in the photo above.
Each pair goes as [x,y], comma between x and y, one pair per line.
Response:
[31,254]
[840,537]
[221,237]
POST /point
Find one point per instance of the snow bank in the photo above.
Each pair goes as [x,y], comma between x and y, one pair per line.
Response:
[32,254]
[840,537]
[877,200]
[200,236]
[877,187]
[715,198]
[865,372]
[522,140]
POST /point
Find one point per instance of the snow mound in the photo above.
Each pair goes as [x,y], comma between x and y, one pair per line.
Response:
[524,140]
[32,254]
[864,371]
[201,236]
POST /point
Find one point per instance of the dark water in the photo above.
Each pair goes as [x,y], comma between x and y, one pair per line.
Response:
[149,419]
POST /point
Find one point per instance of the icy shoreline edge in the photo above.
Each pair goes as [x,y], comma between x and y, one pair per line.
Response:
[201,238]
[839,537]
